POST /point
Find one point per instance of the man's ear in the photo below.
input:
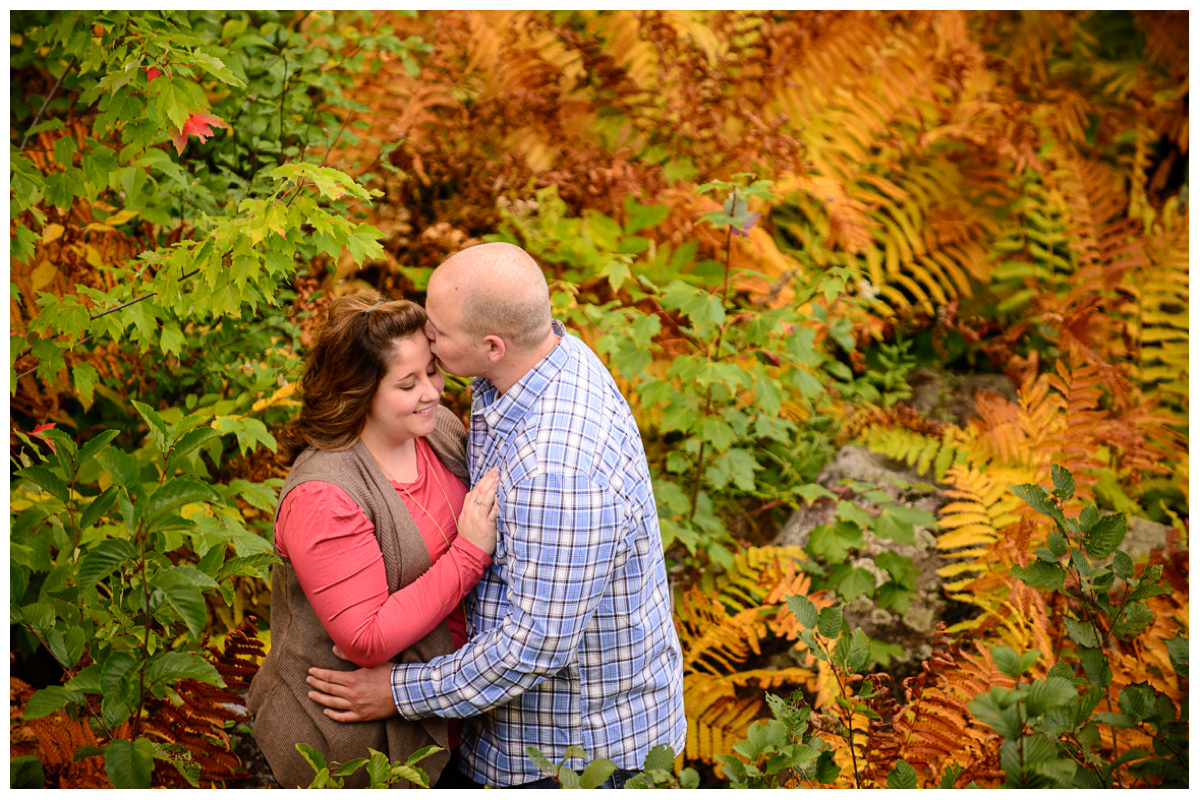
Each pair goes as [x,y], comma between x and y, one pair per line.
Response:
[495,348]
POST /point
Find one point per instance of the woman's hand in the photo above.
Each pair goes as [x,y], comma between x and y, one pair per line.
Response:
[477,522]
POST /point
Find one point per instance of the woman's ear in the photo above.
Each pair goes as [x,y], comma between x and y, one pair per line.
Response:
[495,348]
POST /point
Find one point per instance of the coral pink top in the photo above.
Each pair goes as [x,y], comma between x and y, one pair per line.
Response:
[333,549]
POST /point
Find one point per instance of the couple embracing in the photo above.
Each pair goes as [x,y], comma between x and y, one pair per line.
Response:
[532,610]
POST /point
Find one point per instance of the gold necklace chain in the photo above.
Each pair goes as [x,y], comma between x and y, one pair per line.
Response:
[429,469]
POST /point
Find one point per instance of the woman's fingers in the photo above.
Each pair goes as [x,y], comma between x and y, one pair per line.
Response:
[484,493]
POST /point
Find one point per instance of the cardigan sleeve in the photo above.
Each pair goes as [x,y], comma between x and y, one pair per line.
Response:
[332,547]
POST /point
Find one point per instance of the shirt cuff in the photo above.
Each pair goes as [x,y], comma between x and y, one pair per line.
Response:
[404,678]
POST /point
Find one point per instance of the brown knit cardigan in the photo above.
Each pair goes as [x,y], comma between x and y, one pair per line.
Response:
[278,695]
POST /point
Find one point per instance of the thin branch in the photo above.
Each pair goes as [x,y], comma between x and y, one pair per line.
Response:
[95,317]
[37,117]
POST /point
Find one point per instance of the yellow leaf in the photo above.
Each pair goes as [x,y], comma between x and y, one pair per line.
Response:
[282,393]
[43,274]
[121,217]
[51,233]
[93,257]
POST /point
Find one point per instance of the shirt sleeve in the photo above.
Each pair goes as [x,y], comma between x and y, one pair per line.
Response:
[333,549]
[561,533]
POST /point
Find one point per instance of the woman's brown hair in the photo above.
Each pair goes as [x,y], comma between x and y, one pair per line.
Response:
[343,370]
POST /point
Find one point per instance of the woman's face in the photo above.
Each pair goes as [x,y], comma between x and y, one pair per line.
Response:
[405,400]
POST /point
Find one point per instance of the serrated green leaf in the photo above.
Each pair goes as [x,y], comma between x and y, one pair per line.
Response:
[129,764]
[1133,619]
[312,756]
[834,541]
[1035,496]
[1082,633]
[67,648]
[1028,660]
[1113,719]
[596,773]
[26,772]
[1105,536]
[176,493]
[1137,700]
[1122,565]
[182,593]
[64,444]
[46,701]
[43,477]
[100,561]
[1007,660]
[829,622]
[853,652]
[1048,694]
[1064,483]
[1095,665]
[1040,575]
[95,445]
[95,510]
[854,582]
[170,667]
[247,565]
[122,467]
[902,776]
[1177,651]
[804,610]
[661,757]
[1088,517]
[993,709]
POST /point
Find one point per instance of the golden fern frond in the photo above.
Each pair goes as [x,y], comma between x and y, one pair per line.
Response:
[715,641]
[982,507]
[755,573]
[1162,323]
[928,454]
[716,721]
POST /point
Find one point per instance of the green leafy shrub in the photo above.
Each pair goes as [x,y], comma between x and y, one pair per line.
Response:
[1052,728]
[381,773]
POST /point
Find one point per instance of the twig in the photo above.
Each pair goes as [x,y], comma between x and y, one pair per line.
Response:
[37,117]
[95,317]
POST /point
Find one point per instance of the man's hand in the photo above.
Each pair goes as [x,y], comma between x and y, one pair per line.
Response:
[358,696]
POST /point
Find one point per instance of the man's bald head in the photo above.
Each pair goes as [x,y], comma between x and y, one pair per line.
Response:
[501,291]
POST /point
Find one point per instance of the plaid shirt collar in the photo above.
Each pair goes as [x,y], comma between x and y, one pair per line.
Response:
[502,412]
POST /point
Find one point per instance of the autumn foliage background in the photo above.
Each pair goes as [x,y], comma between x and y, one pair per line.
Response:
[765,222]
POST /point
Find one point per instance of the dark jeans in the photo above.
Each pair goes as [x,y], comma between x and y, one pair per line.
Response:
[615,781]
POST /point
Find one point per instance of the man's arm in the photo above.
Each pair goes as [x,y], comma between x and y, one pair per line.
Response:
[563,535]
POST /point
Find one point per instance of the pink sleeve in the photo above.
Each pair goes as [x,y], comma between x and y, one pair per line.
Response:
[332,547]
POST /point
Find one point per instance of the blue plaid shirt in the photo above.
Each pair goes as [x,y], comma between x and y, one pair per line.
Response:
[573,641]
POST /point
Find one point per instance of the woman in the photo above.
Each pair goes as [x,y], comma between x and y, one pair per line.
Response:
[380,539]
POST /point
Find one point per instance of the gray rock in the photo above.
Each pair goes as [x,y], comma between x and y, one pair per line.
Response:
[946,396]
[1142,536]
[913,630]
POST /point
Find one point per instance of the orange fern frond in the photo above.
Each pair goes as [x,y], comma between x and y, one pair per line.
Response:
[936,729]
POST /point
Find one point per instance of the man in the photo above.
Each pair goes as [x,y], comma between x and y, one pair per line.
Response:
[572,638]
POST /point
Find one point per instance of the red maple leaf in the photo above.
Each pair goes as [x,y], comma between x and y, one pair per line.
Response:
[45,426]
[152,73]
[196,125]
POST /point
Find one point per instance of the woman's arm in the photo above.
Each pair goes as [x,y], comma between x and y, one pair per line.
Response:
[333,549]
